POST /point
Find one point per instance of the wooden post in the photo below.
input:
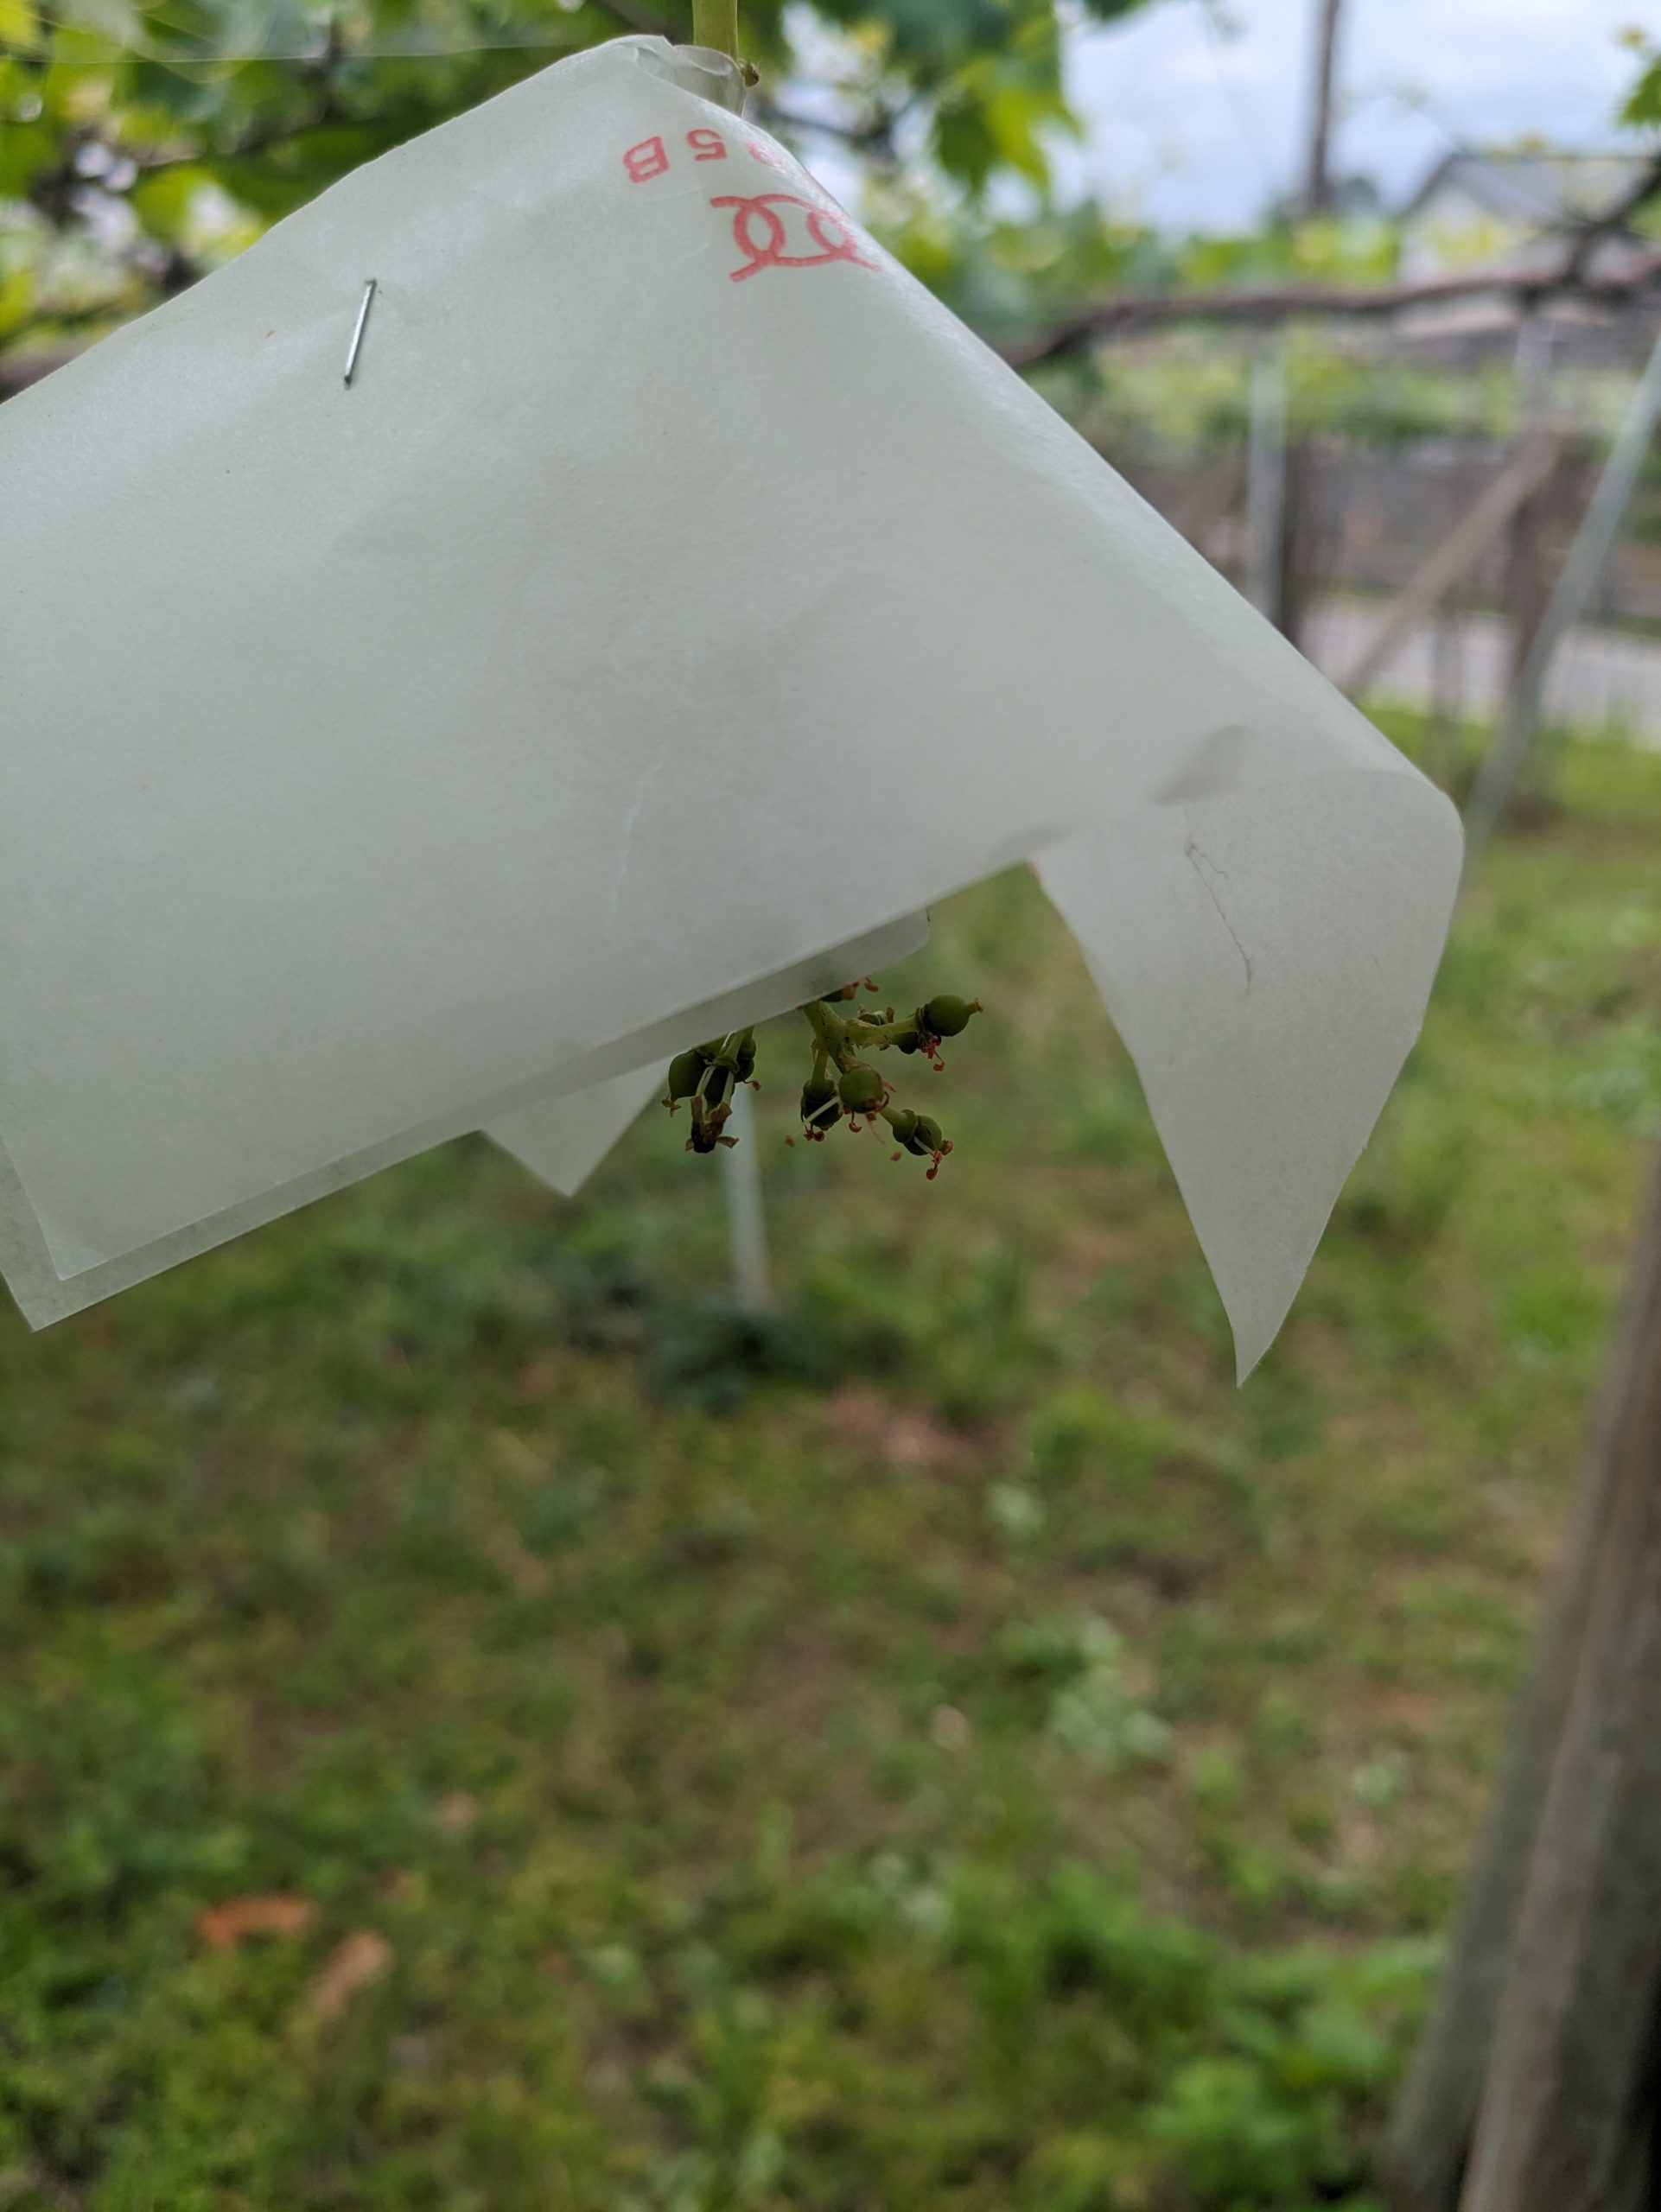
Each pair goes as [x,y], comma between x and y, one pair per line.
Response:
[1533,2087]
[1300,523]
[1593,542]
[1453,557]
[1210,500]
[1446,698]
[1279,498]
[1266,481]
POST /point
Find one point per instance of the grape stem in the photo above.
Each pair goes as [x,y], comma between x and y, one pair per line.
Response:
[842,1042]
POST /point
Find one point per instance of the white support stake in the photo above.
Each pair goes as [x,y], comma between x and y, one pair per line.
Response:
[747,1220]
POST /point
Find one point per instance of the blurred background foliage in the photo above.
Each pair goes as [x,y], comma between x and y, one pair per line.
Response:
[143,141]
[140,140]
[486,1725]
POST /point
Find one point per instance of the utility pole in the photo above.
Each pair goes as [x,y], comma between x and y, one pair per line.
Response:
[1317,183]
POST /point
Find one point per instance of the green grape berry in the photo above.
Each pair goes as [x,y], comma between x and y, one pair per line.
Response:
[926,1138]
[820,1108]
[685,1073]
[861,1089]
[947,1016]
[902,1125]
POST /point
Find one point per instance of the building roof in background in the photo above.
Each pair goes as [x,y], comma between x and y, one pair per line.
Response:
[1528,188]
[1508,210]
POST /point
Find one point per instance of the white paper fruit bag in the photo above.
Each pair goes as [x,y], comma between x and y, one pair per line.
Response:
[384,759]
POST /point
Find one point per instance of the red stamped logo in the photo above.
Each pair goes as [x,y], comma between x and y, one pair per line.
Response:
[772,230]
[765,225]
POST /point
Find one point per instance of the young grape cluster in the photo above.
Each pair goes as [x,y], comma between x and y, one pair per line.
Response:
[843,1084]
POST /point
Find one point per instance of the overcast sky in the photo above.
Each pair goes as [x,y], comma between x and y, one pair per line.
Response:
[1191,128]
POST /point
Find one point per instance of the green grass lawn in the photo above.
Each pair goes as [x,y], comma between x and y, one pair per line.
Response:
[952,1751]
